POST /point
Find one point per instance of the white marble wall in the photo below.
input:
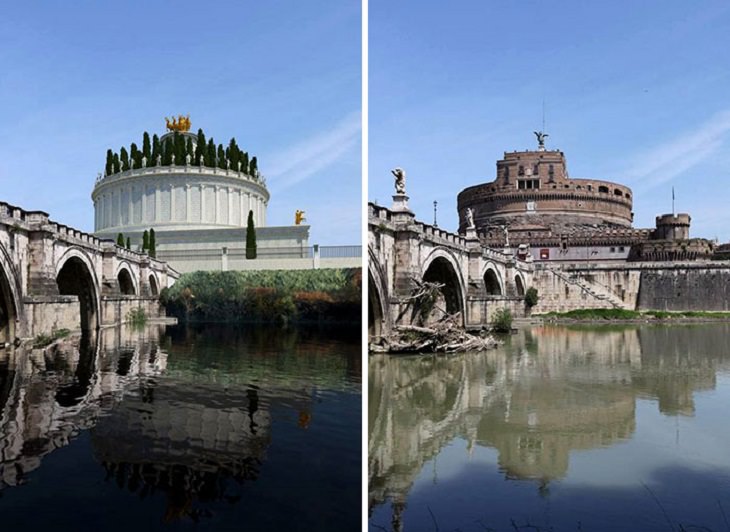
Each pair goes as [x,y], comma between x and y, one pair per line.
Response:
[195,204]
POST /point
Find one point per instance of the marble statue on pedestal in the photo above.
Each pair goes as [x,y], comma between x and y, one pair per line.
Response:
[400,180]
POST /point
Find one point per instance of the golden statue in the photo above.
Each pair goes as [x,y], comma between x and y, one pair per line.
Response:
[299,217]
[181,123]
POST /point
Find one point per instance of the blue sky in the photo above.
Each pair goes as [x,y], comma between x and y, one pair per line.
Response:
[635,92]
[282,77]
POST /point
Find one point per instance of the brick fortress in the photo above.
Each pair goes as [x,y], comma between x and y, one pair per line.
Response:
[535,208]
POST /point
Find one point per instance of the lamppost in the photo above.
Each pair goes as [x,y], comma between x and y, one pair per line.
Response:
[435,204]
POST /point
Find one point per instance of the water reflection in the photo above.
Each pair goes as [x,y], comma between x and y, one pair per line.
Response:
[549,392]
[186,417]
[48,396]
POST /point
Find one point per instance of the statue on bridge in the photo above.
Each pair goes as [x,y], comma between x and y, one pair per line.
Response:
[400,180]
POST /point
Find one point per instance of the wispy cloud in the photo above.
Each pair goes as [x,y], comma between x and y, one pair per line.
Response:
[313,155]
[669,160]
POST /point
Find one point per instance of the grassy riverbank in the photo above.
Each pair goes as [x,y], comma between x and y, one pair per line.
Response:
[281,296]
[613,314]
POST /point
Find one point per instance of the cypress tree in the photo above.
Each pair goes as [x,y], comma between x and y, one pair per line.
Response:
[129,244]
[124,159]
[115,164]
[109,162]
[244,162]
[221,157]
[179,141]
[153,250]
[156,150]
[210,155]
[234,154]
[146,148]
[253,166]
[250,237]
[200,147]
[135,155]
[145,240]
[120,240]
[167,152]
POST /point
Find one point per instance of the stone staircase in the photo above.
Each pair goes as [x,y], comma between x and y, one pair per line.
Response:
[595,291]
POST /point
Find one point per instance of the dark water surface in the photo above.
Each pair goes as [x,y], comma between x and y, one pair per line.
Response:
[563,428]
[212,428]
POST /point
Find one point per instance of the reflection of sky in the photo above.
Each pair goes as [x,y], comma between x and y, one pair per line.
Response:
[659,441]
[678,461]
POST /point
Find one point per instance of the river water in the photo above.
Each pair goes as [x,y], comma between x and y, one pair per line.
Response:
[592,428]
[215,428]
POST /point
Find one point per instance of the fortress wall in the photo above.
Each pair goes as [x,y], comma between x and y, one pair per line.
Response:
[642,286]
[680,288]
[586,287]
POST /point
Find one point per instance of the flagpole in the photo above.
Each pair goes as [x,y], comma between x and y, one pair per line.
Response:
[672,201]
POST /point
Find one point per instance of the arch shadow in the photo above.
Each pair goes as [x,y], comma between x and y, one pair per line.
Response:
[75,276]
[442,267]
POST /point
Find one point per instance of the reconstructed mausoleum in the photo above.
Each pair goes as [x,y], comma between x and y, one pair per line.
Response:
[196,195]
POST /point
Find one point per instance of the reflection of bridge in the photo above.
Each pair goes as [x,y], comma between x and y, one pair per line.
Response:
[56,277]
[141,429]
[476,280]
[535,402]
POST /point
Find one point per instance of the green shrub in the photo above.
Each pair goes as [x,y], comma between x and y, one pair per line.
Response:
[531,297]
[137,316]
[502,321]
[42,340]
[270,296]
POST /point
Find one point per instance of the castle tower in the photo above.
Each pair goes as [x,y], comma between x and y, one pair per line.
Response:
[672,227]
[532,189]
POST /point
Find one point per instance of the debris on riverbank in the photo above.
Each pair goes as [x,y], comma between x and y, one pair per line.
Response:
[445,336]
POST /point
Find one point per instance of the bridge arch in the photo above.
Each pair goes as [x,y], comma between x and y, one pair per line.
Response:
[377,298]
[493,283]
[75,275]
[9,291]
[442,267]
[154,285]
[125,279]
[519,285]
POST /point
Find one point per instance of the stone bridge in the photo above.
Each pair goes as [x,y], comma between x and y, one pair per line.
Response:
[403,251]
[56,277]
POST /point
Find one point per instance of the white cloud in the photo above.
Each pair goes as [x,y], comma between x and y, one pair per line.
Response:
[313,155]
[669,160]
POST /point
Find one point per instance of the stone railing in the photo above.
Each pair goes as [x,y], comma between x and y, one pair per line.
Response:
[258,179]
[377,214]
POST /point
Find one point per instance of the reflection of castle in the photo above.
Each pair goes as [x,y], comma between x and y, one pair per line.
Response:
[534,203]
[553,391]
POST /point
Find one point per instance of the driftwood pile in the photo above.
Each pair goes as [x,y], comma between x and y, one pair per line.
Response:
[436,331]
[446,336]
